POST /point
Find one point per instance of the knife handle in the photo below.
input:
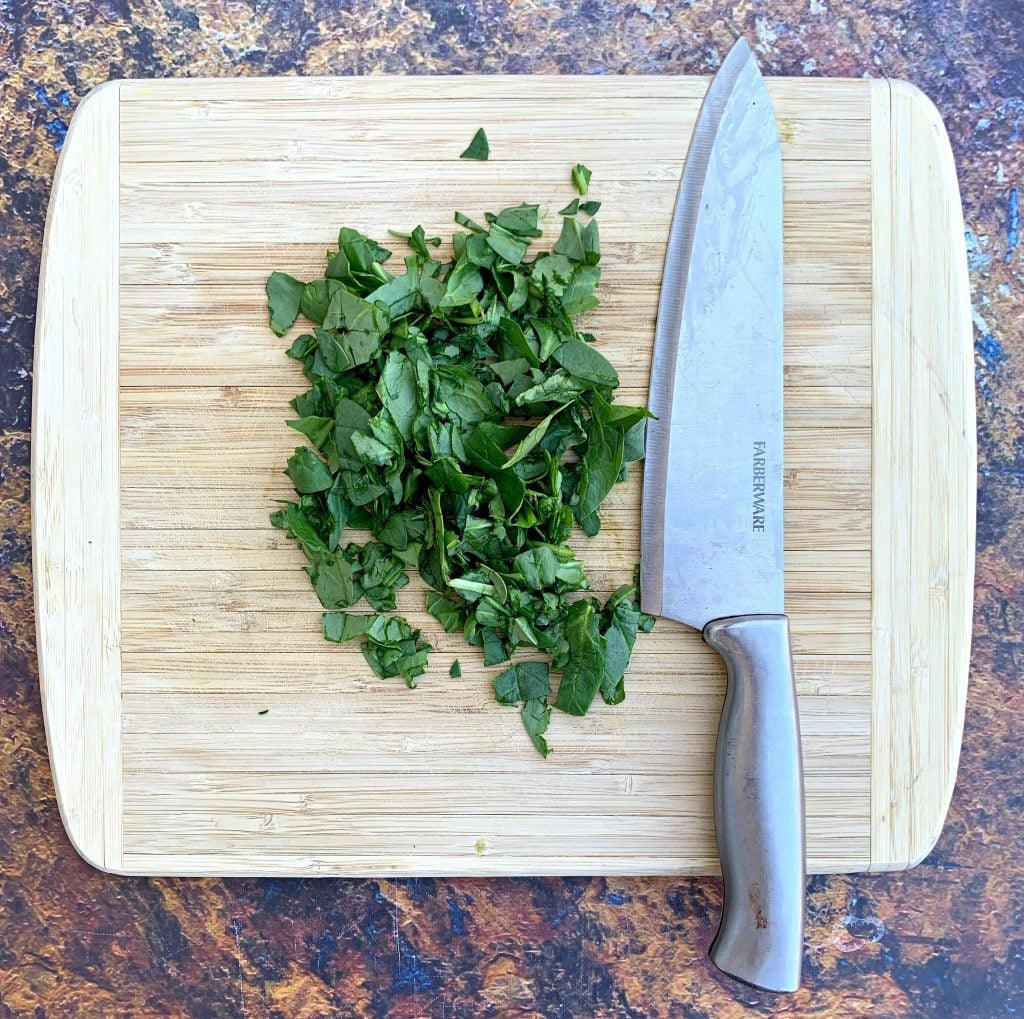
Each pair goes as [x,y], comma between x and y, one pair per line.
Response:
[759,805]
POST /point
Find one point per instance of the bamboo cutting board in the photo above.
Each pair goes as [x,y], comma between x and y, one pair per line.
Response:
[170,613]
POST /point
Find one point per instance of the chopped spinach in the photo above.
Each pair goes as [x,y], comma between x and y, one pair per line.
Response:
[478,148]
[590,208]
[580,178]
[536,716]
[458,414]
[523,682]
[391,647]
[284,294]
[584,666]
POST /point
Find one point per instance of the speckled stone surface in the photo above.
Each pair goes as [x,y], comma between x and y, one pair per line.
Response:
[946,939]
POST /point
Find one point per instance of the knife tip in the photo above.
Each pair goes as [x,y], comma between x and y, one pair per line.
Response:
[740,51]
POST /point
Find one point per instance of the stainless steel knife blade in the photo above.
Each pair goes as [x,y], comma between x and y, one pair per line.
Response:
[711,538]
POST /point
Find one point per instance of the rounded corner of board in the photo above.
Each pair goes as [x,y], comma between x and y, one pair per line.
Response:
[98,98]
[919,102]
[85,843]
[913,853]
[914,115]
[95,118]
[85,768]
[83,205]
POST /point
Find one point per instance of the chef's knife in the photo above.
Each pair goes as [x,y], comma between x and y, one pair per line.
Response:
[712,506]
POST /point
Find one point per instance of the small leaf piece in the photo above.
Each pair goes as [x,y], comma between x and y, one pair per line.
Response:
[522,682]
[284,293]
[584,670]
[308,472]
[478,148]
[536,717]
[580,178]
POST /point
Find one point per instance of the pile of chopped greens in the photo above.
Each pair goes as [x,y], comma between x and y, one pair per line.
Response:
[457,414]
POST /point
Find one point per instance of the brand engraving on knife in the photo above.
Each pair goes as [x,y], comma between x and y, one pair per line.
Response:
[759,460]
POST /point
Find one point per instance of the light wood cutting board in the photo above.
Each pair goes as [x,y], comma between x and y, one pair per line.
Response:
[170,613]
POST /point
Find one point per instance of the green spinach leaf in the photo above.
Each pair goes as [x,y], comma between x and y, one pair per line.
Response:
[284,293]
[478,148]
[584,670]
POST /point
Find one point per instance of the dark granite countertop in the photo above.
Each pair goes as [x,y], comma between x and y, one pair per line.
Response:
[946,939]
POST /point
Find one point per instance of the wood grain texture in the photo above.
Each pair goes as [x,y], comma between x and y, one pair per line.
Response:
[222,181]
[924,477]
[75,534]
